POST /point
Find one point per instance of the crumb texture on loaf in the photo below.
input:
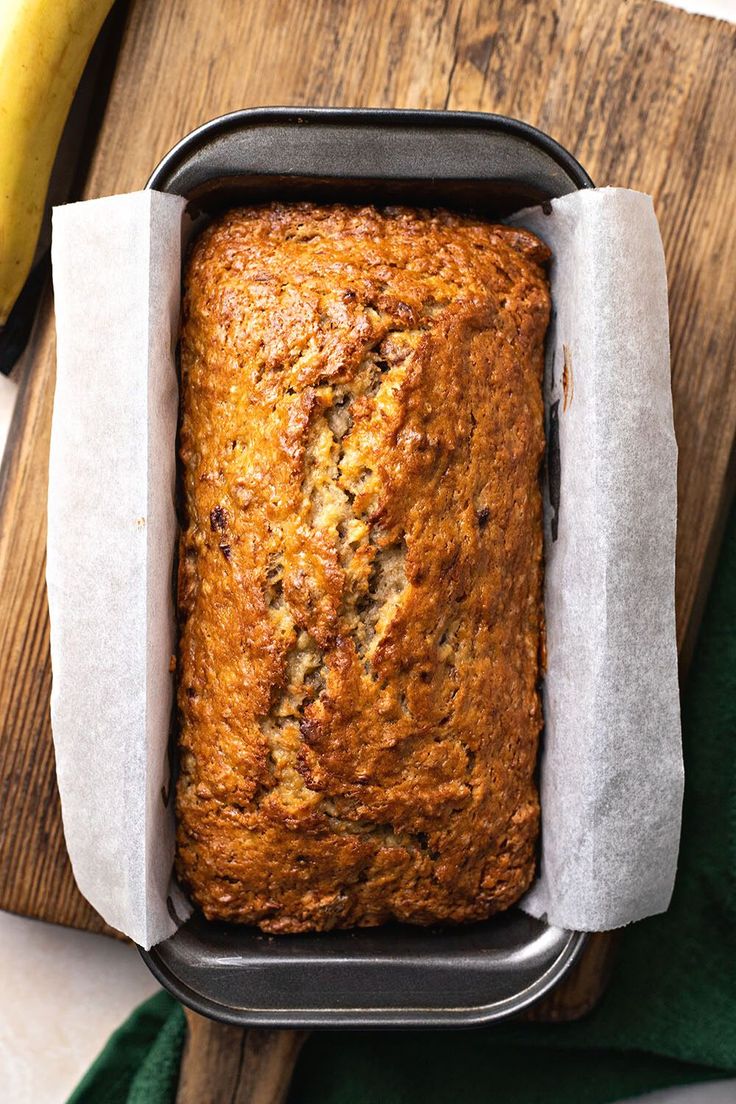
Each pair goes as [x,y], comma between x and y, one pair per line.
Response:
[360,566]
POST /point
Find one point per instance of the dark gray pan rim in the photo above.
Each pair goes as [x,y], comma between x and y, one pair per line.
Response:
[427,121]
[571,945]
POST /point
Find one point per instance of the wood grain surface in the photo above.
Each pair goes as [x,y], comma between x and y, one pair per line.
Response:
[222,1063]
[643,94]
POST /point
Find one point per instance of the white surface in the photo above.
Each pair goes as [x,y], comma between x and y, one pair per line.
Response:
[8,391]
[719,9]
[62,994]
[712,1092]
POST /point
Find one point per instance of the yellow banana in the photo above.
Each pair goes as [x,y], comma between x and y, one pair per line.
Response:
[44,45]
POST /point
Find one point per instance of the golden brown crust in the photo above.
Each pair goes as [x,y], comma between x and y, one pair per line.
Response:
[360,570]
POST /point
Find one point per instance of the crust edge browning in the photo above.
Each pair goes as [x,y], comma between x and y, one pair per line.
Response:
[360,566]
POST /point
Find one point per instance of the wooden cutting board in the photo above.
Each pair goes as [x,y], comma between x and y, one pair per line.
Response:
[643,94]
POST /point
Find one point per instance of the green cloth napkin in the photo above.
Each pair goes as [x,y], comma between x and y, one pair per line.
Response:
[668,1016]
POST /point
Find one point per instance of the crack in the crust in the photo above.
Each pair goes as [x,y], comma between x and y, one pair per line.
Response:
[387,834]
[338,416]
[331,488]
[338,488]
[274,591]
[303,681]
[386,584]
[382,367]
[368,603]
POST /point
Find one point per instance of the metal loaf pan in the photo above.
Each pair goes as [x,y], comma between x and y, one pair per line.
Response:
[394,976]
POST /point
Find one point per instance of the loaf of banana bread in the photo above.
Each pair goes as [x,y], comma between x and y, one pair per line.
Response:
[360,567]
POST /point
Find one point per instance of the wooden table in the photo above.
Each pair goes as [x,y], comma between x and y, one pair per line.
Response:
[644,95]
